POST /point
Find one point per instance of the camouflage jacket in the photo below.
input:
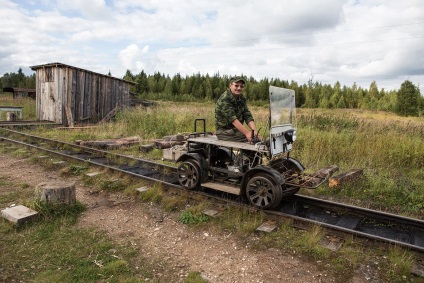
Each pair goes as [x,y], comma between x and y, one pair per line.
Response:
[230,107]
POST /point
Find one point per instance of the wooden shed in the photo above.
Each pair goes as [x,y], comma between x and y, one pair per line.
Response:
[68,95]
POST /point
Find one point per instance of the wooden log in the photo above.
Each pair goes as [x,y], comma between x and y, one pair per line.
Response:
[161,144]
[128,140]
[326,171]
[353,174]
[56,192]
[147,147]
[111,143]
[174,138]
[99,144]
[75,128]
[117,144]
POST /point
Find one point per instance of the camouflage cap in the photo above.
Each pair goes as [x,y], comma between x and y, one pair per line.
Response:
[237,79]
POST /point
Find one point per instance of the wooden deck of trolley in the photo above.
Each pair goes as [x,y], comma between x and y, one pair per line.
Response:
[212,139]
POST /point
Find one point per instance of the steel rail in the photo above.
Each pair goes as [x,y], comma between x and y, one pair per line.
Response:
[351,217]
[96,153]
[27,123]
[85,148]
[399,230]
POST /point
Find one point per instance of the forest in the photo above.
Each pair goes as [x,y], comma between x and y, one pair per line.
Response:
[406,101]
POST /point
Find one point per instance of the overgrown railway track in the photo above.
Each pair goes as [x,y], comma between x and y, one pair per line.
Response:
[385,227]
[27,123]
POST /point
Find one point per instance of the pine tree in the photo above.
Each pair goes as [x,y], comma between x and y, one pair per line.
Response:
[408,98]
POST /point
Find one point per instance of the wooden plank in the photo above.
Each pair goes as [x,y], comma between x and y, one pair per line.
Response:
[109,115]
[109,104]
[57,102]
[353,174]
[128,140]
[111,143]
[38,91]
[326,171]
[82,96]
[65,96]
[147,147]
[72,102]
[93,112]
[103,98]
[61,95]
[113,94]
[222,187]
[89,91]
[69,117]
[177,137]
[76,128]
[77,94]
[68,101]
[98,97]
[167,144]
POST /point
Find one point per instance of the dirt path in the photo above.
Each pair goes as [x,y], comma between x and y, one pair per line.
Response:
[219,257]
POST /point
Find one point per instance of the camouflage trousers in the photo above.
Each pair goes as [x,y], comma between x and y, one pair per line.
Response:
[231,135]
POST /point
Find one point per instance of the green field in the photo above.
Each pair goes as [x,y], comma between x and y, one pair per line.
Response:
[389,149]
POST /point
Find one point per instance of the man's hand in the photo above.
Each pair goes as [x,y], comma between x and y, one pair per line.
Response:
[256,137]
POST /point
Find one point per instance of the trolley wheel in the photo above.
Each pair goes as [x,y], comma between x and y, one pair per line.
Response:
[189,174]
[263,191]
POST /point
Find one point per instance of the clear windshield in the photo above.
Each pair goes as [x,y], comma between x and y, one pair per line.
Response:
[282,106]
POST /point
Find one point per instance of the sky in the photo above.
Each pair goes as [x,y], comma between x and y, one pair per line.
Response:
[326,41]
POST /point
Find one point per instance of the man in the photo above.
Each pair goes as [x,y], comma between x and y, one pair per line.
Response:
[231,112]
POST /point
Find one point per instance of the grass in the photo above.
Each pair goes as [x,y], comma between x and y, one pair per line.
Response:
[54,249]
[28,104]
[394,264]
[240,220]
[189,218]
[398,265]
[387,147]
[389,150]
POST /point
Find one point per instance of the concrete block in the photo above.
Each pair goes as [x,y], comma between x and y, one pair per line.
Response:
[19,214]
[92,174]
[267,226]
[11,116]
[172,154]
[213,212]
[142,189]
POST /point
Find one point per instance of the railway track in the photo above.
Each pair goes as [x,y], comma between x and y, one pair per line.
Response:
[26,124]
[376,225]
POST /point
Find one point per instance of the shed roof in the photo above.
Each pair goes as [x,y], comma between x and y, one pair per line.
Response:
[57,64]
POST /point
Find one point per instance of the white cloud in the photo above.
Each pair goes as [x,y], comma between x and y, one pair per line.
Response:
[331,40]
[93,9]
[131,57]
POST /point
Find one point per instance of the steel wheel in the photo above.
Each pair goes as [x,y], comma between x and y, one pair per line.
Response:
[263,192]
[189,174]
